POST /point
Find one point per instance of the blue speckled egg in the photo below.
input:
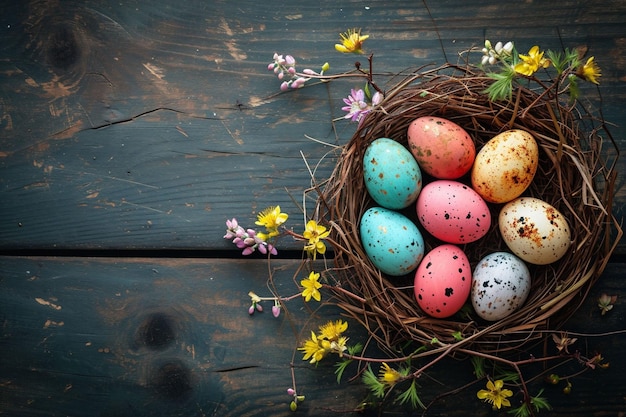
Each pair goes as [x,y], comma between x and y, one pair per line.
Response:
[392,177]
[391,241]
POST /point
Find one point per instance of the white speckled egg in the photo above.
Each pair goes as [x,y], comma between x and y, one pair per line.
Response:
[505,166]
[453,212]
[392,177]
[391,241]
[500,285]
[534,230]
[442,281]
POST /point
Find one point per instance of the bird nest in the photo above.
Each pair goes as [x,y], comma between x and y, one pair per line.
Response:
[574,175]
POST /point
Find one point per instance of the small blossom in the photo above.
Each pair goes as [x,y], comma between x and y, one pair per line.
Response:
[276,309]
[388,375]
[562,341]
[356,106]
[311,287]
[333,330]
[351,42]
[590,71]
[605,303]
[495,395]
[532,62]
[314,233]
[315,349]
[256,303]
[271,218]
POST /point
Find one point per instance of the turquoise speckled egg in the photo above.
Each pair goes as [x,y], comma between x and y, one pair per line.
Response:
[391,241]
[392,177]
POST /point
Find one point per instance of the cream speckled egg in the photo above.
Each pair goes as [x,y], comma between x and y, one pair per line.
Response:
[505,166]
[534,230]
[500,285]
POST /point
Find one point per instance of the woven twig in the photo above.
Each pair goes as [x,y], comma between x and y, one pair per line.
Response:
[573,176]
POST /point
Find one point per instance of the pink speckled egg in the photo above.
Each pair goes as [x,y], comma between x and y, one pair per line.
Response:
[443,281]
[453,212]
[442,148]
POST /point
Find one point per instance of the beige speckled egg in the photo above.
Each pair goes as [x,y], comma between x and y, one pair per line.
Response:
[505,166]
[534,230]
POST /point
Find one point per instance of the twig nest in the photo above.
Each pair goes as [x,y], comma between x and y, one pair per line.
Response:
[567,173]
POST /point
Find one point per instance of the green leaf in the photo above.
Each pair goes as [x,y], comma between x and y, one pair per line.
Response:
[411,397]
[479,366]
[341,367]
[502,87]
[372,383]
[540,402]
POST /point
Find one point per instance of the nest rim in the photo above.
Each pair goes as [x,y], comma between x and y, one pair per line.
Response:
[578,180]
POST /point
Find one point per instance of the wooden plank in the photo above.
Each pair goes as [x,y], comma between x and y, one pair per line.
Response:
[145,127]
[172,337]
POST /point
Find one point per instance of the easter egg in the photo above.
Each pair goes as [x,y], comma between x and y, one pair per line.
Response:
[505,166]
[443,281]
[500,285]
[442,148]
[453,212]
[534,230]
[392,177]
[391,241]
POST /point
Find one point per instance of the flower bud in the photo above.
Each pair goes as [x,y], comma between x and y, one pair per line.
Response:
[291,391]
[284,86]
[326,66]
[251,310]
[276,310]
[259,307]
[293,406]
[487,44]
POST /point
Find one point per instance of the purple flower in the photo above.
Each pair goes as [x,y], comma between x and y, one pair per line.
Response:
[276,310]
[356,107]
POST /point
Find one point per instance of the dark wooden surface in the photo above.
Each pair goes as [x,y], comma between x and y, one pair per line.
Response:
[136,128]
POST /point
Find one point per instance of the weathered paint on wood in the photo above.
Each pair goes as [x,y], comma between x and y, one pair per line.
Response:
[146,125]
[139,125]
[172,337]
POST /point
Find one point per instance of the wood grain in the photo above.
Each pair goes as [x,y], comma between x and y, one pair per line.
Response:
[172,337]
[147,126]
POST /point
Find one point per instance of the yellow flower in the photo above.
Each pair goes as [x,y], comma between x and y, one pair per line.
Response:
[351,41]
[315,233]
[495,395]
[590,71]
[311,287]
[333,330]
[532,62]
[315,348]
[388,375]
[271,218]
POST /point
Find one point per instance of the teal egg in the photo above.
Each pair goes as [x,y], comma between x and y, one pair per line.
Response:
[391,241]
[392,177]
